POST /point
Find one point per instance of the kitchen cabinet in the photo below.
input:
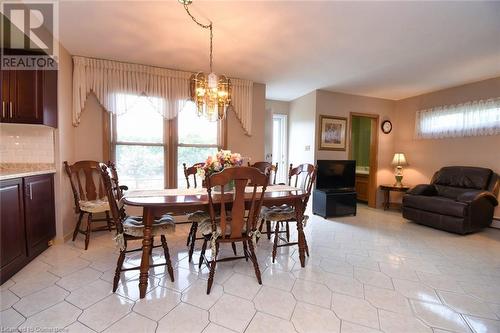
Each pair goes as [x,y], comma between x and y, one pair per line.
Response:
[27,221]
[29,97]
[361,185]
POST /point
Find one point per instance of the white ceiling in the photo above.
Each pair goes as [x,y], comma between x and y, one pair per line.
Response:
[383,49]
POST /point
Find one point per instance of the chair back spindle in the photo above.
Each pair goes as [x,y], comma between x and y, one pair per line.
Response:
[192,171]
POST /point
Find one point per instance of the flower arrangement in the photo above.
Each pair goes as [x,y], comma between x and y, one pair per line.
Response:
[223,159]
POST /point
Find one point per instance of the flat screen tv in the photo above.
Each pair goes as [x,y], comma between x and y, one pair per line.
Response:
[336,174]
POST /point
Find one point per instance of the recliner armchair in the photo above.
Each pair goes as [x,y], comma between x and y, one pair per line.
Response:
[459,199]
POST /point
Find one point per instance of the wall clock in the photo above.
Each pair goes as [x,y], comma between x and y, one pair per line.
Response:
[386,126]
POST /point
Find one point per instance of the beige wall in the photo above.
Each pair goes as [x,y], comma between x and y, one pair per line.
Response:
[64,148]
[427,156]
[278,107]
[302,129]
[89,134]
[237,140]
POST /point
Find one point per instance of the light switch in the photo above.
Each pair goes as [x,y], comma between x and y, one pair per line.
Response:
[307,148]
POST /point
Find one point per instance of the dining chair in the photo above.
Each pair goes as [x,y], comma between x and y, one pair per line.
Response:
[89,196]
[233,224]
[306,175]
[266,167]
[131,228]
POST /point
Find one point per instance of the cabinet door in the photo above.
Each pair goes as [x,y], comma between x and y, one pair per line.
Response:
[26,97]
[50,98]
[39,212]
[4,94]
[13,254]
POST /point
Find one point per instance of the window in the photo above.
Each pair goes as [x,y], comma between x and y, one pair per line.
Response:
[197,139]
[140,145]
[469,119]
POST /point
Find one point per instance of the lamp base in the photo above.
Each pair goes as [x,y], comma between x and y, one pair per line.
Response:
[399,179]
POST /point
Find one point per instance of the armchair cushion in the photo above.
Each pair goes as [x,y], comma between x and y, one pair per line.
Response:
[470,196]
[436,204]
[423,189]
[462,176]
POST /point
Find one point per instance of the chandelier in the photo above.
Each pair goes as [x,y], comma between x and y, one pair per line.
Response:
[210,93]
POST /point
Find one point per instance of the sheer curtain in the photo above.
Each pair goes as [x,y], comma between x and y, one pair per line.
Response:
[468,119]
[117,86]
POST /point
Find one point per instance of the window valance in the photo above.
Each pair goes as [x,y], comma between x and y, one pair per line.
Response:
[111,81]
[468,119]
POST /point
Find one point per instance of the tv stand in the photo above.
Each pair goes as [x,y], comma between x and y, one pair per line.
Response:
[334,202]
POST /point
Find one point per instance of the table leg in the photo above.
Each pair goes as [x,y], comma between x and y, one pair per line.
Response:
[386,199]
[299,215]
[146,248]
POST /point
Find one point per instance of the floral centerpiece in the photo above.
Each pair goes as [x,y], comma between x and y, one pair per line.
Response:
[223,159]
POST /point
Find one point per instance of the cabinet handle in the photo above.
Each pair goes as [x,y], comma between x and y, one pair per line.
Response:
[31,192]
[10,109]
[3,109]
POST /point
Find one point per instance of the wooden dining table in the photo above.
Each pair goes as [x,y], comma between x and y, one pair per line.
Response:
[184,201]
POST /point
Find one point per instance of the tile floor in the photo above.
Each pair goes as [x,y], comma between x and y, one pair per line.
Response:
[371,273]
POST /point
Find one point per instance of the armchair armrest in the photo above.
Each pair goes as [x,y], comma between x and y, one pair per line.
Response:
[423,189]
[471,196]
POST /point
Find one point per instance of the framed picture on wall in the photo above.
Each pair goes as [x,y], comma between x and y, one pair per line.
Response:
[332,133]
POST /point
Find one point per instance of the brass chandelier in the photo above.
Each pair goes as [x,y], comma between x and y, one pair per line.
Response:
[210,93]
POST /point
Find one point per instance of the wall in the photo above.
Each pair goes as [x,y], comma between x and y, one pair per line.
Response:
[427,156]
[21,143]
[302,129]
[339,104]
[237,140]
[64,148]
[89,133]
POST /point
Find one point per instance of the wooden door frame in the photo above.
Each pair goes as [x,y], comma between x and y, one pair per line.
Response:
[372,178]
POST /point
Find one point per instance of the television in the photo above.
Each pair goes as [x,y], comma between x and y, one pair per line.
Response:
[336,174]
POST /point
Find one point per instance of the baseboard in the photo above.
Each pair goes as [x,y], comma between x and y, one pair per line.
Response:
[496,222]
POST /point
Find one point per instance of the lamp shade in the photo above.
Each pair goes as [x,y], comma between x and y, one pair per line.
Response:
[399,160]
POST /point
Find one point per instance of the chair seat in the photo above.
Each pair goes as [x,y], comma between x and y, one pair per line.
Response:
[134,226]
[436,204]
[94,206]
[205,227]
[278,213]
[198,216]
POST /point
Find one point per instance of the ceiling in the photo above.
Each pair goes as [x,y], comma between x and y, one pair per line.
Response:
[389,50]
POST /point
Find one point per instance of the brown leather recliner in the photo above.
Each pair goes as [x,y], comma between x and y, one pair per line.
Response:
[459,199]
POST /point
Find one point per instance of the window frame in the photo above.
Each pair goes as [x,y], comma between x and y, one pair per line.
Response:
[170,144]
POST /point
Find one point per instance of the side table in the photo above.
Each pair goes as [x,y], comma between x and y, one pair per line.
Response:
[387,193]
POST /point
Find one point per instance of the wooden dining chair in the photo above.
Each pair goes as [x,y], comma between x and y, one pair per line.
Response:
[303,177]
[89,196]
[267,167]
[131,228]
[233,224]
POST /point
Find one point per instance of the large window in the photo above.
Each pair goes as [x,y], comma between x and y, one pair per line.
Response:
[468,119]
[149,151]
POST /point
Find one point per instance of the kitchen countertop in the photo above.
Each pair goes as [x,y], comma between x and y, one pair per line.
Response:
[18,174]
[18,170]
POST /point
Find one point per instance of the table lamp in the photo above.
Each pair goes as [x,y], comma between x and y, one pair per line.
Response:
[399,161]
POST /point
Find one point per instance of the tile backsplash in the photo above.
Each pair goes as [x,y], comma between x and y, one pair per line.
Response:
[26,144]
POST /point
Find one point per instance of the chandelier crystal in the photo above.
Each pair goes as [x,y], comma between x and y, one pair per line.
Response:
[210,93]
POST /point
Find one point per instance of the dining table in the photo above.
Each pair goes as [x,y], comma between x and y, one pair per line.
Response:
[155,203]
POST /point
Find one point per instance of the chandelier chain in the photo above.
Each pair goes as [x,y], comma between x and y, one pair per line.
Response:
[204,26]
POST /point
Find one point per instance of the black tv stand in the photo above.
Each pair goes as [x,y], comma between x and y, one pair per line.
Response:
[334,202]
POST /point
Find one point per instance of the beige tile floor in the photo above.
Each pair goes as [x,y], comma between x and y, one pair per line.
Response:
[374,272]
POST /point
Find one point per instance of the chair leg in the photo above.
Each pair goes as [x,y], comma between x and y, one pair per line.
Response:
[119,265]
[89,229]
[233,245]
[108,220]
[287,228]
[190,235]
[212,269]
[268,229]
[245,250]
[167,257]
[275,244]
[77,227]
[202,254]
[194,229]
[253,257]
[306,247]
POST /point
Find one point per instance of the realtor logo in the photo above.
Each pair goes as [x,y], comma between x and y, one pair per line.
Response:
[29,35]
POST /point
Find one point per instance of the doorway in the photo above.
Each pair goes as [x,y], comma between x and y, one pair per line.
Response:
[363,147]
[280,146]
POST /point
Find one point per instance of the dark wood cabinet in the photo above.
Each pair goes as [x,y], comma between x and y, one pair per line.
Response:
[12,228]
[29,97]
[362,187]
[27,221]
[39,212]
